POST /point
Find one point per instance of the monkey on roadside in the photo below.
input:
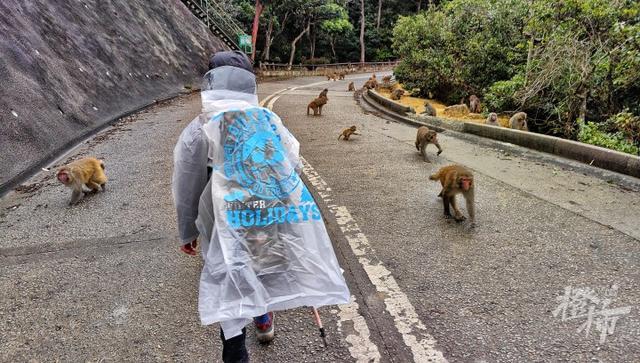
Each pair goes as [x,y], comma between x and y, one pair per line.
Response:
[519,121]
[456,179]
[87,171]
[397,94]
[324,92]
[386,79]
[428,109]
[342,75]
[492,120]
[474,104]
[425,137]
[373,76]
[370,84]
[316,106]
[346,133]
[352,87]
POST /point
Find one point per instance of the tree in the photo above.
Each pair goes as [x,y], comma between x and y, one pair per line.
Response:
[338,24]
[362,21]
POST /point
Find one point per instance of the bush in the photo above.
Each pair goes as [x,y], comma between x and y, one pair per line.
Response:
[591,133]
[501,94]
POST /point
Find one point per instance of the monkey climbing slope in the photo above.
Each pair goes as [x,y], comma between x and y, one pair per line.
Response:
[213,16]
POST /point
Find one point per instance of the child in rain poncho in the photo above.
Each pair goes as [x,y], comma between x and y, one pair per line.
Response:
[264,244]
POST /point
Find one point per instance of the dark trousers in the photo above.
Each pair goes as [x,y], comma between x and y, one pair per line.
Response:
[234,349]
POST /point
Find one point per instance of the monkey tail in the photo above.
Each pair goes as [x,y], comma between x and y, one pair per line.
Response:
[435,176]
[307,110]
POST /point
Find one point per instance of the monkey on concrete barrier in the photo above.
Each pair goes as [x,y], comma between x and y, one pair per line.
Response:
[519,121]
[474,104]
[492,120]
[370,84]
[456,179]
[346,133]
[87,172]
[352,87]
[456,110]
[397,94]
[316,106]
[425,137]
[428,109]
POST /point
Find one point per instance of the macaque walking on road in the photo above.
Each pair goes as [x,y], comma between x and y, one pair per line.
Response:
[316,106]
[87,171]
[324,93]
[352,87]
[346,133]
[425,137]
[456,179]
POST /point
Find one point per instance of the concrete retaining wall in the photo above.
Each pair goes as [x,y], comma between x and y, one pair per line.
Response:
[70,67]
[390,104]
[592,155]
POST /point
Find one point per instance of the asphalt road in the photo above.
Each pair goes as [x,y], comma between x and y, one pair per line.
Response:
[104,281]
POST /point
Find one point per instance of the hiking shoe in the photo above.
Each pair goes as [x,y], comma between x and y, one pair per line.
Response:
[264,327]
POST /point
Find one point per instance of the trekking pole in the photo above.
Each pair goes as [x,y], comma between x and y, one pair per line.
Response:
[320,327]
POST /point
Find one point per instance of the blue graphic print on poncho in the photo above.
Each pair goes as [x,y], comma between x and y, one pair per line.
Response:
[255,159]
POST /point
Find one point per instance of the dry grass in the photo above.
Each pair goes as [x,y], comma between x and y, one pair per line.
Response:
[418,104]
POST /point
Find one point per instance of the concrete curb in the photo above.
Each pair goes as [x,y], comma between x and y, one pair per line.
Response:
[593,155]
[392,105]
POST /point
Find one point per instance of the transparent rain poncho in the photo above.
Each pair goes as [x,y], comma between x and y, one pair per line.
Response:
[264,243]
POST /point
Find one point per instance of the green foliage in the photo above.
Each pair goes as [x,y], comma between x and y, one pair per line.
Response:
[591,133]
[463,47]
[501,95]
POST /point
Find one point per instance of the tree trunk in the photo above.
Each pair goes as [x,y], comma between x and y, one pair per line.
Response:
[333,49]
[419,5]
[268,40]
[379,14]
[362,32]
[254,31]
[312,42]
[295,41]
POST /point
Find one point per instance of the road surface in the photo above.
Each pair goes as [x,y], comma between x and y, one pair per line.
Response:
[550,273]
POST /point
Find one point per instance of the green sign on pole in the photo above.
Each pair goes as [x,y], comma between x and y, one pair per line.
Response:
[244,41]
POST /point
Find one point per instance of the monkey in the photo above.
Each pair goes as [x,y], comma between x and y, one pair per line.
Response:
[316,105]
[87,171]
[386,79]
[342,75]
[373,76]
[334,76]
[352,87]
[428,109]
[328,76]
[370,84]
[492,120]
[457,110]
[456,179]
[324,93]
[474,104]
[519,121]
[397,94]
[425,137]
[346,133]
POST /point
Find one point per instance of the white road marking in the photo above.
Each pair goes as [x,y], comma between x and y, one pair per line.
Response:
[413,331]
[361,347]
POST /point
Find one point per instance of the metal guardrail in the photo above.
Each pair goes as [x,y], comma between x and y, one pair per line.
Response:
[313,67]
[214,17]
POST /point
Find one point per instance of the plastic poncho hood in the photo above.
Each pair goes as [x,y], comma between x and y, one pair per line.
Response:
[264,243]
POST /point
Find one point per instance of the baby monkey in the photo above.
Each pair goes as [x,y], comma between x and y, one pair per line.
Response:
[456,179]
[346,133]
[87,171]
[425,137]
